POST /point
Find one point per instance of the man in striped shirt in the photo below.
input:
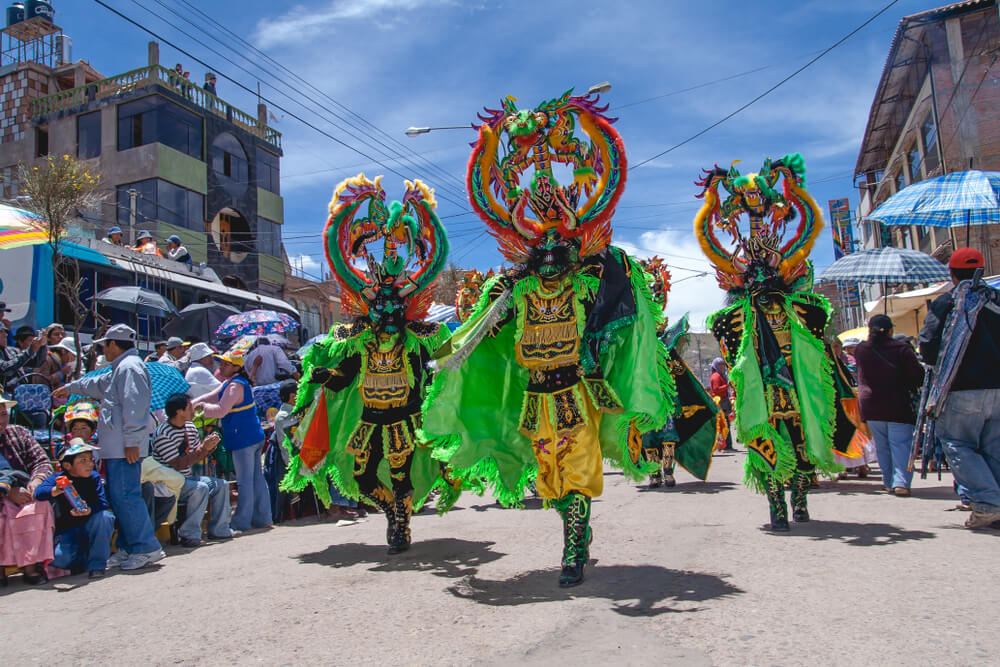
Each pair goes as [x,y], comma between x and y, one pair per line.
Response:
[176,444]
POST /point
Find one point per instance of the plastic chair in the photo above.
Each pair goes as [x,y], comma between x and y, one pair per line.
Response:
[36,400]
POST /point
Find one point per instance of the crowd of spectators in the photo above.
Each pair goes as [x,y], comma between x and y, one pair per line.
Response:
[116,471]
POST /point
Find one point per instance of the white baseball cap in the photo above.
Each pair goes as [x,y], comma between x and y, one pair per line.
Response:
[121,332]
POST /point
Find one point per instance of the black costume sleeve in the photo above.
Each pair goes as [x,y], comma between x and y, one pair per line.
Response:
[930,333]
[347,370]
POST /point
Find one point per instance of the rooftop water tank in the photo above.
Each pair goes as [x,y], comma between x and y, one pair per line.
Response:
[41,9]
[15,13]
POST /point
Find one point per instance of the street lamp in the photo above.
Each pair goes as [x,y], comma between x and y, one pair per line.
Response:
[599,88]
[414,131]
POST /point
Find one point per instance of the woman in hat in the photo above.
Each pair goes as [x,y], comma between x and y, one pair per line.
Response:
[888,371]
[59,364]
[243,437]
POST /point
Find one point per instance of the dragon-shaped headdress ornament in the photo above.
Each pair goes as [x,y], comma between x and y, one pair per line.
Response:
[469,291]
[761,259]
[659,275]
[547,222]
[396,289]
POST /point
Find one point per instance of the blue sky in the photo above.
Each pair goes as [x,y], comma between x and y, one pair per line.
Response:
[397,63]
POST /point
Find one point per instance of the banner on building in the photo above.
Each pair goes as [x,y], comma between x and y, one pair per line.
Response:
[840,226]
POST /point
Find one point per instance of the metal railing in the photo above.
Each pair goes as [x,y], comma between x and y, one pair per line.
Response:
[124,84]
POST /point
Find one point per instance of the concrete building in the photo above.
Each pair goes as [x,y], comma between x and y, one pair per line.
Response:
[176,159]
[936,111]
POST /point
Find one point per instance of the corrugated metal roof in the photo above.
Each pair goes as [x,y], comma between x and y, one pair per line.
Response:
[864,163]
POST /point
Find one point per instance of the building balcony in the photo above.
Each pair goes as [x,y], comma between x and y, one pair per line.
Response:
[128,85]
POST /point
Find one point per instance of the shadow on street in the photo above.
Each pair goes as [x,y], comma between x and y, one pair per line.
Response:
[855,534]
[706,488]
[652,587]
[446,557]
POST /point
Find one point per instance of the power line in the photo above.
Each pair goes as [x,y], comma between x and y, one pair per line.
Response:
[252,92]
[433,165]
[769,90]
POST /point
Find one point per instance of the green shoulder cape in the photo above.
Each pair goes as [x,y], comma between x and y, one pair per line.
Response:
[472,411]
[335,415]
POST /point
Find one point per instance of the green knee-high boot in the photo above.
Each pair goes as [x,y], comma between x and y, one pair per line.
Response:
[776,499]
[575,511]
[653,455]
[800,489]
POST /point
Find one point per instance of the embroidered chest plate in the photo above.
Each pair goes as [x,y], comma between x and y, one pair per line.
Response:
[550,337]
[385,384]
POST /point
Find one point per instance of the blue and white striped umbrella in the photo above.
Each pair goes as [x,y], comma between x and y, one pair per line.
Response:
[958,199]
[887,266]
[165,380]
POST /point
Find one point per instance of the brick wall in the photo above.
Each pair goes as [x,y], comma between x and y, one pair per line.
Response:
[17,90]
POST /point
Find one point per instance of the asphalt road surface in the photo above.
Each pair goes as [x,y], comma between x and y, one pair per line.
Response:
[681,576]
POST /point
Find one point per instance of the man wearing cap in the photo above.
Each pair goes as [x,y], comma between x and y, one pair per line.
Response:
[83,530]
[159,349]
[124,425]
[175,356]
[176,251]
[114,236]
[961,336]
[15,362]
[199,374]
[25,525]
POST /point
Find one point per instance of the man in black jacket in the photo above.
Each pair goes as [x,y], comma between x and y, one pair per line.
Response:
[969,424]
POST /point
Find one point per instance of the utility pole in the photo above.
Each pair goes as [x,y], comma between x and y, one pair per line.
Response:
[133,194]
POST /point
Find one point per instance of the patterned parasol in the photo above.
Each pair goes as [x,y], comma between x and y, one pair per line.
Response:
[256,322]
[20,228]
[166,380]
[889,266]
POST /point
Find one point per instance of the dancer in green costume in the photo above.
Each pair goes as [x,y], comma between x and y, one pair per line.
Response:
[558,366]
[363,385]
[789,409]
[688,437]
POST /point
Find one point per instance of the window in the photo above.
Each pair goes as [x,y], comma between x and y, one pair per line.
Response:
[928,130]
[268,237]
[41,141]
[154,119]
[900,180]
[913,159]
[88,135]
[268,171]
[161,200]
[230,165]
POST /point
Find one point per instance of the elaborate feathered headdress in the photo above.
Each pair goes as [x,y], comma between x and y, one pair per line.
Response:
[469,291]
[520,218]
[414,247]
[762,258]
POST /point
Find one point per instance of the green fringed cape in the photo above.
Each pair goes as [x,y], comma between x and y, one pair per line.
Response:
[343,414]
[472,412]
[814,392]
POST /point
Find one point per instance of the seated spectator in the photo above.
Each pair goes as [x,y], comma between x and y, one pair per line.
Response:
[176,251]
[114,236]
[81,421]
[200,374]
[266,363]
[175,355]
[25,525]
[59,365]
[53,334]
[167,484]
[159,349]
[176,444]
[146,244]
[17,362]
[83,537]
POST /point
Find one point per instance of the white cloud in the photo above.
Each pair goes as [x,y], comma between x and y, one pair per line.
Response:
[697,295]
[302,23]
[307,263]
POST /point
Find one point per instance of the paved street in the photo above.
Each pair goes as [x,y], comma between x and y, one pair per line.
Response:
[685,576]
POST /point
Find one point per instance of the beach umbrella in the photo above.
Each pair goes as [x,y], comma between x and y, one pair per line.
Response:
[138,300]
[256,322]
[959,199]
[20,228]
[199,320]
[164,379]
[886,266]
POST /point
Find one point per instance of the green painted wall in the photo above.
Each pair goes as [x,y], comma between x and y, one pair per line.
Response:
[270,206]
[272,269]
[182,170]
[195,242]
